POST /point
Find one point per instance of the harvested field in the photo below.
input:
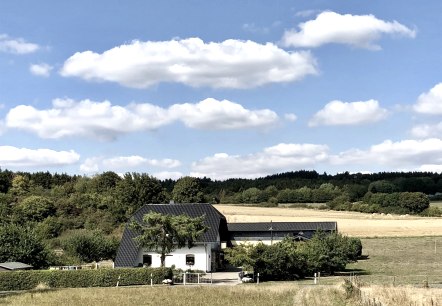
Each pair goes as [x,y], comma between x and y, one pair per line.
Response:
[351,223]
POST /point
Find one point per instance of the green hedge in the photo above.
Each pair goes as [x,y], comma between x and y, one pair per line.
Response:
[25,280]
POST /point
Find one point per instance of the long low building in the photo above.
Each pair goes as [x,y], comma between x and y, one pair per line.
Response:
[207,252]
[270,232]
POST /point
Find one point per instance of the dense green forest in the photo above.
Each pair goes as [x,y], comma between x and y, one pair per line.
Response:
[69,212]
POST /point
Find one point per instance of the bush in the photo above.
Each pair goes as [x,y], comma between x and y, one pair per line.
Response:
[90,246]
[25,280]
[22,244]
[432,212]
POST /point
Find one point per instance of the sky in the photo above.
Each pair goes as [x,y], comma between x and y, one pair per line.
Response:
[220,89]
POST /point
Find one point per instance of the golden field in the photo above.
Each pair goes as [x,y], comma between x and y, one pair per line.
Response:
[350,223]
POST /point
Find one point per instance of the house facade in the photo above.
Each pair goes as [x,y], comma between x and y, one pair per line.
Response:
[207,252]
[204,255]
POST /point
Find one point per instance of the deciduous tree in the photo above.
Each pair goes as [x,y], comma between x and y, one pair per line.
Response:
[165,233]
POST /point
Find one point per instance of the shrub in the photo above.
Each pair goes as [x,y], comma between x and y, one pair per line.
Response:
[21,244]
[90,246]
[25,280]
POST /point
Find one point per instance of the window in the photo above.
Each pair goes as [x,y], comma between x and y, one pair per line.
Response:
[147,260]
[190,259]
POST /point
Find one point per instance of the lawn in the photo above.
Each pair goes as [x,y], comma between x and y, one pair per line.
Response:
[405,260]
[263,294]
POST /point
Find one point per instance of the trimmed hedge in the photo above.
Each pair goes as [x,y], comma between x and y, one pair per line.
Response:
[25,280]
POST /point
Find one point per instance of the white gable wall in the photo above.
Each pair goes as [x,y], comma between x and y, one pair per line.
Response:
[202,255]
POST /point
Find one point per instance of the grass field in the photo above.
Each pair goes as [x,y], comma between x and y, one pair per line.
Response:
[278,294]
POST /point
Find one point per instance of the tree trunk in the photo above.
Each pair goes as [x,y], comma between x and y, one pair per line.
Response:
[163,259]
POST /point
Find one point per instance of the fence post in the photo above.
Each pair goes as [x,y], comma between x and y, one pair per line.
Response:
[315,279]
[211,278]
[257,280]
[118,282]
[319,276]
[198,277]
[151,280]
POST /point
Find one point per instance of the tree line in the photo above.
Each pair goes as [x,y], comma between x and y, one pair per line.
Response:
[61,209]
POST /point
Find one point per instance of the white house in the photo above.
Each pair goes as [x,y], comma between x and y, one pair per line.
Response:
[204,255]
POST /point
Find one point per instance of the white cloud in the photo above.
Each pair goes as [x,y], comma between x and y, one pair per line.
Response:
[96,164]
[360,31]
[395,155]
[228,64]
[220,115]
[168,175]
[16,45]
[431,168]
[135,160]
[90,165]
[282,157]
[290,117]
[349,113]
[22,157]
[430,102]
[427,130]
[105,121]
[41,69]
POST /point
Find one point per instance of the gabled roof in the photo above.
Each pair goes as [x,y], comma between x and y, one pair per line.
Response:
[282,226]
[128,250]
[14,265]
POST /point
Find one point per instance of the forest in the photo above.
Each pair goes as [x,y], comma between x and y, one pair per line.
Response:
[68,212]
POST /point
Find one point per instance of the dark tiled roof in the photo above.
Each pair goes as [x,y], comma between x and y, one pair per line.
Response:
[13,265]
[282,226]
[128,250]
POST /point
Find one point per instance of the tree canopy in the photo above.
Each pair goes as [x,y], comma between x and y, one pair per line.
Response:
[164,233]
[21,244]
[187,190]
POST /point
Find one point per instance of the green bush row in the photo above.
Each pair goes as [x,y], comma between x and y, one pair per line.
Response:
[25,280]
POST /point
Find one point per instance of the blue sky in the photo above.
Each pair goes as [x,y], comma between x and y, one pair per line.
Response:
[220,88]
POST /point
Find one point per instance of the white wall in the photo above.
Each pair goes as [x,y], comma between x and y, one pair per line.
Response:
[178,258]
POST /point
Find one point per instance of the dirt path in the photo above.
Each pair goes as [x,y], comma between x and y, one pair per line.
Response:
[351,223]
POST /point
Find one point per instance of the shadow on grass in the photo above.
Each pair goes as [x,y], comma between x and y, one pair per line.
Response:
[363,257]
[4,294]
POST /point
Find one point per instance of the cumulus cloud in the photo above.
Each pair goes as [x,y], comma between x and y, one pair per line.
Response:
[361,31]
[42,69]
[395,155]
[22,157]
[105,121]
[163,175]
[282,157]
[220,115]
[349,113]
[430,102]
[135,160]
[228,64]
[96,164]
[427,130]
[16,45]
